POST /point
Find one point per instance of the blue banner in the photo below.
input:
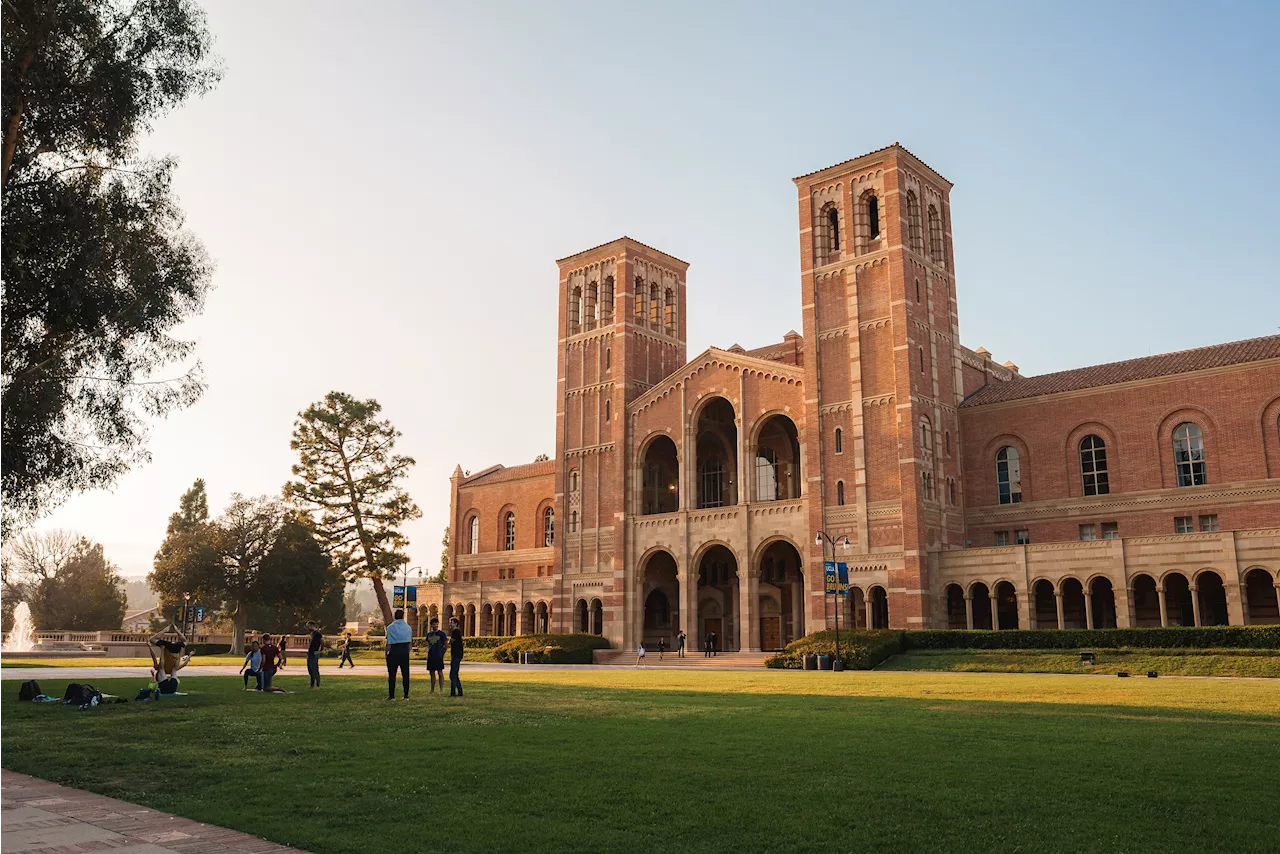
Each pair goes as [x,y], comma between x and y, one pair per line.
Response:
[397,596]
[842,575]
[832,583]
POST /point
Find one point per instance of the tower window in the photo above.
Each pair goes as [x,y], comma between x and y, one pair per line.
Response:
[922,360]
[918,290]
[548,529]
[473,536]
[873,217]
[840,492]
[575,310]
[839,441]
[573,481]
[606,302]
[608,359]
[1093,466]
[1188,455]
[642,300]
[669,306]
[936,249]
[946,438]
[926,428]
[654,306]
[951,490]
[914,238]
[590,305]
[833,229]
[573,522]
[1009,476]
[608,409]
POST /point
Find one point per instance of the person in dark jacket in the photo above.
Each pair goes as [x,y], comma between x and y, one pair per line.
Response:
[315,643]
[455,658]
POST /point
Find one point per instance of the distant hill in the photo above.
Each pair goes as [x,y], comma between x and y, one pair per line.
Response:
[140,595]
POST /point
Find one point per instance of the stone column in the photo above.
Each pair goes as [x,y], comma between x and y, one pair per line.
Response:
[1164,614]
[797,609]
[995,611]
[1124,607]
[1057,595]
[968,611]
[689,607]
[742,589]
[1195,604]
[1088,609]
[867,606]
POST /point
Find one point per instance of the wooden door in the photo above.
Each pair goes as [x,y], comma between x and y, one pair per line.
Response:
[771,633]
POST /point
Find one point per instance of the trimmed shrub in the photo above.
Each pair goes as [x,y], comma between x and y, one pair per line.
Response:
[485,641]
[1173,637]
[859,650]
[551,649]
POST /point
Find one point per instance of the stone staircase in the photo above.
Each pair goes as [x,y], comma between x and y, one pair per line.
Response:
[627,658]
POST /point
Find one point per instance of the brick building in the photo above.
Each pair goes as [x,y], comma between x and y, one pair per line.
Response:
[689,493]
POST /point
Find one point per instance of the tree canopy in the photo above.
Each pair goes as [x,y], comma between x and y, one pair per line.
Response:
[347,481]
[97,269]
[66,580]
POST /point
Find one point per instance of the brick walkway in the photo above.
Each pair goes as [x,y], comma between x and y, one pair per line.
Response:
[41,816]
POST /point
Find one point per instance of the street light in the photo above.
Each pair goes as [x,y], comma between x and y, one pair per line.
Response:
[819,540]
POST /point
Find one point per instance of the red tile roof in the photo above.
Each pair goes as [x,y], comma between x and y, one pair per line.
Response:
[1165,364]
[501,474]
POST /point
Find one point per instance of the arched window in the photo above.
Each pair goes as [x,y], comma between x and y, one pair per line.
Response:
[1188,454]
[655,307]
[509,529]
[767,485]
[1093,465]
[936,249]
[548,526]
[951,490]
[918,291]
[926,435]
[608,359]
[606,302]
[573,522]
[873,217]
[573,480]
[947,439]
[840,492]
[926,482]
[833,229]
[473,536]
[608,409]
[590,305]
[669,306]
[921,360]
[839,441]
[575,310]
[826,235]
[1009,476]
[914,237]
[642,300]
[711,474]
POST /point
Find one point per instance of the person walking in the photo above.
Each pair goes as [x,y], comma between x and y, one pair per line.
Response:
[680,642]
[399,637]
[315,643]
[662,647]
[640,654]
[436,643]
[715,645]
[252,666]
[346,653]
[706,646]
[270,659]
[455,657]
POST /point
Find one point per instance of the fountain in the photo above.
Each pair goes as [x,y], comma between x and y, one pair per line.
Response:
[23,636]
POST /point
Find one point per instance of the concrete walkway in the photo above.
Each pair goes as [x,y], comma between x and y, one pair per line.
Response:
[41,816]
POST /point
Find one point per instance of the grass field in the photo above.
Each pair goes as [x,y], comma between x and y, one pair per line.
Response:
[298,660]
[690,761]
[1166,662]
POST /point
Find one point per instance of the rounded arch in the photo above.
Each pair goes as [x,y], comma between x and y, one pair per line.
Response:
[1164,438]
[659,464]
[1071,451]
[953,599]
[1210,592]
[879,599]
[1044,603]
[1179,610]
[980,605]
[1145,600]
[991,466]
[1006,596]
[778,566]
[776,469]
[1262,597]
[546,521]
[718,570]
[471,525]
[758,554]
[715,451]
[507,511]
[707,545]
[1102,601]
[582,618]
[597,616]
[1269,418]
[1074,614]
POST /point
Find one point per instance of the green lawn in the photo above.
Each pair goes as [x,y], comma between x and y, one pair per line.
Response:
[1166,662]
[296,659]
[675,761]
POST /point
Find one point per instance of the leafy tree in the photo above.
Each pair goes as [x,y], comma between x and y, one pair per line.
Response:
[297,583]
[189,554]
[84,595]
[443,575]
[29,559]
[351,603]
[347,475]
[246,532]
[97,270]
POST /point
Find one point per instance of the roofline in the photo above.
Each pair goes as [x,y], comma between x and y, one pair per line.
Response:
[844,165]
[766,364]
[624,239]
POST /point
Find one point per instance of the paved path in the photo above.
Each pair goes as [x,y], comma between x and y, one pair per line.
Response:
[44,817]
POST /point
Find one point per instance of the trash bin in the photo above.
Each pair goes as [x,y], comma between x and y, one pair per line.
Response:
[810,661]
[824,662]
[839,664]
[528,658]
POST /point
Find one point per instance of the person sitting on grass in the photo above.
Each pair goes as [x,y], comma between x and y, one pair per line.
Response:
[165,668]
[252,666]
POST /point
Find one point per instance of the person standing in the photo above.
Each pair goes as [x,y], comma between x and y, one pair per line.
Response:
[315,643]
[252,666]
[640,654]
[680,642]
[346,653]
[270,658]
[399,637]
[455,657]
[662,647]
[715,645]
[436,643]
[706,646]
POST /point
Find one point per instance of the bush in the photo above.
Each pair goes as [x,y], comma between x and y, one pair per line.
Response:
[859,650]
[484,641]
[1173,637]
[552,649]
[376,630]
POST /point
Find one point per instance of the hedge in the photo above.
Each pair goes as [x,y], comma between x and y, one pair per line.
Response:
[551,649]
[859,650]
[1173,637]
[485,641]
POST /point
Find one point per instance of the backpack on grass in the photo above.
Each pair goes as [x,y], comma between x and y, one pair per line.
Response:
[29,691]
[81,695]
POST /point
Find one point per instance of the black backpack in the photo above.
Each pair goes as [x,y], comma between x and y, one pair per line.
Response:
[81,695]
[29,691]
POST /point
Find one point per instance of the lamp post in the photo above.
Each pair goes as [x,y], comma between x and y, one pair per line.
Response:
[821,539]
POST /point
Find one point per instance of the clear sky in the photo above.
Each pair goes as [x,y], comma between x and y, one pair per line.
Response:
[384,189]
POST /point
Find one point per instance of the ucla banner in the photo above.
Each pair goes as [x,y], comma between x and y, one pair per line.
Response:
[397,596]
[831,577]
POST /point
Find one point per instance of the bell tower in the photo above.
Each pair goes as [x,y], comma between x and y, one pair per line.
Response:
[878,291]
[621,329]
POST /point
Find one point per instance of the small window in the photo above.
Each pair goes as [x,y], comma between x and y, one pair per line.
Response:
[1110,530]
[915,239]
[548,527]
[642,307]
[1188,455]
[606,302]
[509,537]
[575,310]
[1009,476]
[873,217]
[946,438]
[1022,537]
[1093,466]
[473,539]
[936,249]
[608,359]
[573,522]
[608,409]
[840,492]
[1002,538]
[669,303]
[655,308]
[1088,532]
[833,229]
[926,436]
[1209,522]
[926,483]
[839,441]
[917,290]
[1183,525]
[922,360]
[951,490]
[573,481]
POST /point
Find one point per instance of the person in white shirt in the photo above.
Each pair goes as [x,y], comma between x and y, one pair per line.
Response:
[399,637]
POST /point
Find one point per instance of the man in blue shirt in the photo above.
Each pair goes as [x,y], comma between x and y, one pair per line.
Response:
[399,636]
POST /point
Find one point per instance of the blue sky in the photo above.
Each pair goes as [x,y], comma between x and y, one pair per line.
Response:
[384,189]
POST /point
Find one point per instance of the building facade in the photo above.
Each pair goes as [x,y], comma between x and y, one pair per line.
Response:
[688,494]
